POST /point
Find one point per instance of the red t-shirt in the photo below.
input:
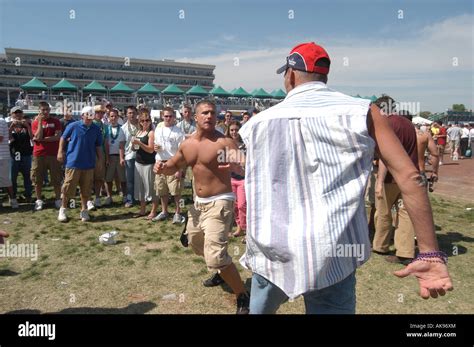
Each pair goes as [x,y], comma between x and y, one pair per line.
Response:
[50,127]
[442,140]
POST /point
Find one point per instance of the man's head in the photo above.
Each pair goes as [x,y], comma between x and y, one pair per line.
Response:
[406,114]
[108,106]
[132,114]
[187,112]
[99,112]
[440,122]
[245,116]
[228,117]
[386,104]
[114,116]
[255,112]
[205,115]
[44,109]
[17,113]
[168,116]
[88,115]
[307,62]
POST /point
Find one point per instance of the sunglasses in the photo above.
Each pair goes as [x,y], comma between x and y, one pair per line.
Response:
[145,120]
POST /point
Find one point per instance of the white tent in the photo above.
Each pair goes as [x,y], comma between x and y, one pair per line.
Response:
[421,120]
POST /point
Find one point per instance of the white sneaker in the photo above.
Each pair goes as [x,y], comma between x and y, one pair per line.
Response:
[108,201]
[90,206]
[62,215]
[85,215]
[97,202]
[178,219]
[13,203]
[39,205]
[58,203]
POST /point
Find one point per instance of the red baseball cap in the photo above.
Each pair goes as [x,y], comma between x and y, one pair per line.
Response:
[308,57]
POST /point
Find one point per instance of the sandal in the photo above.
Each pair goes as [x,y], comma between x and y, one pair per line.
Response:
[151,216]
[239,232]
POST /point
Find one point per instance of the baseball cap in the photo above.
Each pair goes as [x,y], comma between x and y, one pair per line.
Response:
[88,111]
[99,108]
[16,109]
[308,57]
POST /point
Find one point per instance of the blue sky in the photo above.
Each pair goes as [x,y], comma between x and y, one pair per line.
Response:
[410,58]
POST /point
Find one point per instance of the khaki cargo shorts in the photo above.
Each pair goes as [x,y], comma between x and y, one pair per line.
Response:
[73,177]
[208,232]
[39,166]
[165,185]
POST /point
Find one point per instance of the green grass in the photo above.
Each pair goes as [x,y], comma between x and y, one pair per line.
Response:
[156,265]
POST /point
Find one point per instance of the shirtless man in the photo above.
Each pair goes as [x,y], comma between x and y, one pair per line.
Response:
[211,217]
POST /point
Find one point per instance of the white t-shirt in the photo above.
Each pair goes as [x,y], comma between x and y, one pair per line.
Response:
[116,135]
[465,133]
[129,131]
[169,138]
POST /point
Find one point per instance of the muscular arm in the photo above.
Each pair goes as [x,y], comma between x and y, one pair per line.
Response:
[415,197]
[177,162]
[434,154]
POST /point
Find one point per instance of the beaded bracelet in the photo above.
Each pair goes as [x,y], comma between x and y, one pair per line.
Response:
[432,257]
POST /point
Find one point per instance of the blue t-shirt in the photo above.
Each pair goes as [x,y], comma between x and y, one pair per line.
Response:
[83,141]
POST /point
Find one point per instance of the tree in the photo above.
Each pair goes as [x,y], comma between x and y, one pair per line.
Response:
[425,114]
[459,108]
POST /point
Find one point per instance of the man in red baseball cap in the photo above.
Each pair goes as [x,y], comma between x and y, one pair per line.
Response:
[308,57]
[311,156]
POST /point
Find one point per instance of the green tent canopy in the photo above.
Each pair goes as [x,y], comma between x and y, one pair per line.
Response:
[94,86]
[197,90]
[219,91]
[261,94]
[121,88]
[172,89]
[64,85]
[148,89]
[34,84]
[278,94]
[241,93]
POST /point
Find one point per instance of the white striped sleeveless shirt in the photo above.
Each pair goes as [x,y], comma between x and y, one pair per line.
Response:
[308,161]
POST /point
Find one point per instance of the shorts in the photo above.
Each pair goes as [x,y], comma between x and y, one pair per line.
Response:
[454,143]
[73,177]
[165,185]
[39,167]
[114,168]
[99,170]
[208,232]
[5,179]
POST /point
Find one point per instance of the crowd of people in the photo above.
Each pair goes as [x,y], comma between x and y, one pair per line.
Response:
[292,178]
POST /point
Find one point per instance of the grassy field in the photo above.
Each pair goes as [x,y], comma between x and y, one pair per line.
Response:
[148,271]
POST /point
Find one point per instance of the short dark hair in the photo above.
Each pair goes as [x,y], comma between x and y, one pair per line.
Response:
[131,107]
[188,107]
[406,114]
[440,122]
[386,103]
[204,102]
[44,104]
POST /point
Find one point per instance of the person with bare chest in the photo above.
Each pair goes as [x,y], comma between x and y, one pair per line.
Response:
[212,156]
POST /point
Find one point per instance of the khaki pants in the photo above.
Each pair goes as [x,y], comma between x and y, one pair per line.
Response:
[208,232]
[404,234]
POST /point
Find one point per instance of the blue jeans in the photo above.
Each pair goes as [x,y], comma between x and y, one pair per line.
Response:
[24,166]
[130,175]
[340,298]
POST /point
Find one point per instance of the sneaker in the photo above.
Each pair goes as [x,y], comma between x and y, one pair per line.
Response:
[85,215]
[58,203]
[178,219]
[128,204]
[214,281]
[243,303]
[97,202]
[160,217]
[108,201]
[14,203]
[90,206]
[39,205]
[62,215]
